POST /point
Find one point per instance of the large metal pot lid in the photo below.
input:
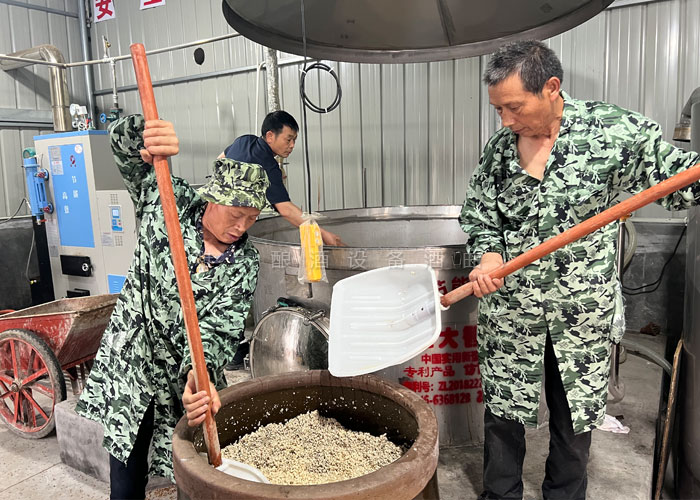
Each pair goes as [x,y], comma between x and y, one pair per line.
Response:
[397,31]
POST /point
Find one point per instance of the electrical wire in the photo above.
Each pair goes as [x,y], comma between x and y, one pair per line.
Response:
[308,167]
[308,104]
[24,200]
[319,66]
[306,130]
[29,257]
[31,247]
[636,290]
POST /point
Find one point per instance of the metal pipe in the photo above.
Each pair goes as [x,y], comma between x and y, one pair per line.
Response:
[667,221]
[38,7]
[113,69]
[85,47]
[115,94]
[683,130]
[647,353]
[21,62]
[272,78]
[58,80]
[616,387]
[695,126]
[48,55]
[159,51]
[26,61]
[257,92]
[203,76]
[630,243]
[620,258]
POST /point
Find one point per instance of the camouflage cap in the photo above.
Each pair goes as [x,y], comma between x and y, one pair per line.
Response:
[236,184]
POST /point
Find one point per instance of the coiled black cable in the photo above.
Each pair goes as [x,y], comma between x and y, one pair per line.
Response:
[302,88]
[318,109]
[307,102]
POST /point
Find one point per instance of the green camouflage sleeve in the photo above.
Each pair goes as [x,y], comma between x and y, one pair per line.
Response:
[651,160]
[126,136]
[222,319]
[479,217]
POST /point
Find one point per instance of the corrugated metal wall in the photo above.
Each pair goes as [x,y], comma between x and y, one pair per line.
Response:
[403,134]
[28,88]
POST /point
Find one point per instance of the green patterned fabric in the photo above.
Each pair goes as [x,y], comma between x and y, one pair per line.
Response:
[601,151]
[144,354]
[236,184]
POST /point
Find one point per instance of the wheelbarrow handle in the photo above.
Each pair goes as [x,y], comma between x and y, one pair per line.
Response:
[673,183]
[177,247]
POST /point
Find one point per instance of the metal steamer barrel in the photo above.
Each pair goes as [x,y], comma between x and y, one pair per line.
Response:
[446,375]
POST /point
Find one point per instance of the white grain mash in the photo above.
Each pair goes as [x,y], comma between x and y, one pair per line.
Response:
[312,449]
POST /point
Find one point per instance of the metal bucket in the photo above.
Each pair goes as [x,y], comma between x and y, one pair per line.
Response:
[447,374]
[288,339]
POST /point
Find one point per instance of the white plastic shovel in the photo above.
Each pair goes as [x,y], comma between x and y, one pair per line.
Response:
[382,318]
[240,470]
[385,317]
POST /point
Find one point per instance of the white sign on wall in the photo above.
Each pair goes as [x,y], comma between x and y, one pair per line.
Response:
[103,9]
[147,4]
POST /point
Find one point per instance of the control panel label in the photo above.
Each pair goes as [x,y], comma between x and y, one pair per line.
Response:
[70,188]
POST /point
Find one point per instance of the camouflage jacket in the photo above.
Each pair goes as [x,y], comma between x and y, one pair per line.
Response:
[144,354]
[601,151]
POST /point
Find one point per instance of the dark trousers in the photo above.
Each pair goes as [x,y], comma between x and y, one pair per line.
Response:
[504,448]
[128,481]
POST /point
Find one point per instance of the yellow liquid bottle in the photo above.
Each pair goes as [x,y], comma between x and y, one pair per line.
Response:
[310,236]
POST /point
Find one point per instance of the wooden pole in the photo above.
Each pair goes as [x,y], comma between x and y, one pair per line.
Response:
[586,227]
[668,421]
[177,247]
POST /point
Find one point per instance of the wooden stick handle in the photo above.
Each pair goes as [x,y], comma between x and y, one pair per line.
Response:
[613,213]
[177,247]
[668,421]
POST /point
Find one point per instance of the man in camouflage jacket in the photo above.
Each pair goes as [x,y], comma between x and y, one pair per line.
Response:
[142,365]
[556,162]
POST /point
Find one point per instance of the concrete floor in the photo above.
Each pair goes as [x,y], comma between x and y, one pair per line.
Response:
[620,466]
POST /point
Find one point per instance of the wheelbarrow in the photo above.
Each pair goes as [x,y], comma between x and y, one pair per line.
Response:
[36,345]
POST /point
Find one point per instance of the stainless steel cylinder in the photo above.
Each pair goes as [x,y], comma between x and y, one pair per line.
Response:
[447,374]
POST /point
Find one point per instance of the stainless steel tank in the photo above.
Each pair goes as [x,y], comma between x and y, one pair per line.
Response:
[688,463]
[447,374]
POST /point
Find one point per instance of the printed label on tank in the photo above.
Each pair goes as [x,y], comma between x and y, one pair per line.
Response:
[55,158]
[447,373]
[70,190]
[115,282]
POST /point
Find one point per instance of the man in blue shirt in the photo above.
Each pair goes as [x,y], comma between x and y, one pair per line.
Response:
[279,133]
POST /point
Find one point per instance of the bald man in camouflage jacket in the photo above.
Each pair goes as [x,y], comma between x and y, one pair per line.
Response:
[142,366]
[556,162]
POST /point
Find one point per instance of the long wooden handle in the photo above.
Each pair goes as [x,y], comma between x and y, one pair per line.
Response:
[613,213]
[177,247]
[668,421]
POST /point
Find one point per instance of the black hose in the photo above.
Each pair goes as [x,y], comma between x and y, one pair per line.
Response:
[302,88]
[318,109]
